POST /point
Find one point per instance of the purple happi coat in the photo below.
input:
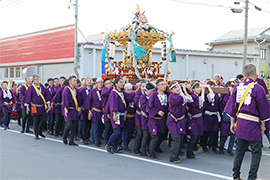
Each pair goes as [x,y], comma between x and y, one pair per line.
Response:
[18,102]
[176,116]
[195,124]
[8,99]
[23,92]
[0,104]
[156,104]
[138,113]
[224,126]
[255,104]
[143,103]
[262,83]
[69,103]
[83,93]
[129,121]
[32,97]
[93,103]
[116,104]
[210,122]
[57,109]
[57,100]
[105,93]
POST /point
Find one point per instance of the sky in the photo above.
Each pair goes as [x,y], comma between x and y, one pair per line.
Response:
[193,24]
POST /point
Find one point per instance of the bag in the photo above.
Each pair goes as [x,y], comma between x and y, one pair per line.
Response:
[226,117]
[34,109]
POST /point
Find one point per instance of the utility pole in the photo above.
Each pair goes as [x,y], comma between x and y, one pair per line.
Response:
[245,35]
[76,52]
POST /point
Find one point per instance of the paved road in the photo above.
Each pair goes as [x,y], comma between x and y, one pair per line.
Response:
[22,157]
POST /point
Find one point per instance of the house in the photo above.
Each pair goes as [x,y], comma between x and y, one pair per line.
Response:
[258,43]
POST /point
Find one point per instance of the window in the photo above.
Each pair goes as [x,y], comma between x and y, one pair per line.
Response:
[18,72]
[13,73]
[6,73]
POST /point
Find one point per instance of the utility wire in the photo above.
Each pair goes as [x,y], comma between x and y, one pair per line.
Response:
[217,5]
[11,4]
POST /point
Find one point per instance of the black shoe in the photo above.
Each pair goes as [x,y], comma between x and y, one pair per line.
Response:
[215,151]
[127,150]
[154,157]
[221,151]
[36,138]
[117,151]
[109,149]
[176,161]
[85,142]
[144,155]
[137,152]
[191,156]
[195,148]
[22,131]
[65,141]
[42,135]
[230,153]
[97,145]
[28,131]
[73,144]
[205,150]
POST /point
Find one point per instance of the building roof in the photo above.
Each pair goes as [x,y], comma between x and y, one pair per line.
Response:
[238,36]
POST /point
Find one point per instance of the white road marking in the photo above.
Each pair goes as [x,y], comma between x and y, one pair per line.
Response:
[141,159]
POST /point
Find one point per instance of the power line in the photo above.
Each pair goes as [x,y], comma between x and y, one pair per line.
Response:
[11,4]
[203,4]
[217,5]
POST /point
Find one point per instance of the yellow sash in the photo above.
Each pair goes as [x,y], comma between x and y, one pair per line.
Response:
[243,99]
[41,95]
[74,98]
[121,97]
[26,87]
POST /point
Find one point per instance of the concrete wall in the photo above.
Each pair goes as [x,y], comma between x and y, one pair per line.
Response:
[194,64]
[45,71]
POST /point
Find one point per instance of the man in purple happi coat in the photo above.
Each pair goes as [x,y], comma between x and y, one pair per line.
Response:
[18,104]
[139,133]
[129,120]
[58,109]
[176,119]
[71,106]
[53,89]
[26,118]
[39,98]
[118,100]
[7,98]
[157,109]
[250,120]
[194,119]
[105,92]
[93,104]
[210,119]
[143,103]
[86,123]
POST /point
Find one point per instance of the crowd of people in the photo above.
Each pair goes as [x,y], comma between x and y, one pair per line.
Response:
[189,113]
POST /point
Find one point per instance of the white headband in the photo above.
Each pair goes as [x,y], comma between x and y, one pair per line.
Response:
[193,85]
[173,85]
